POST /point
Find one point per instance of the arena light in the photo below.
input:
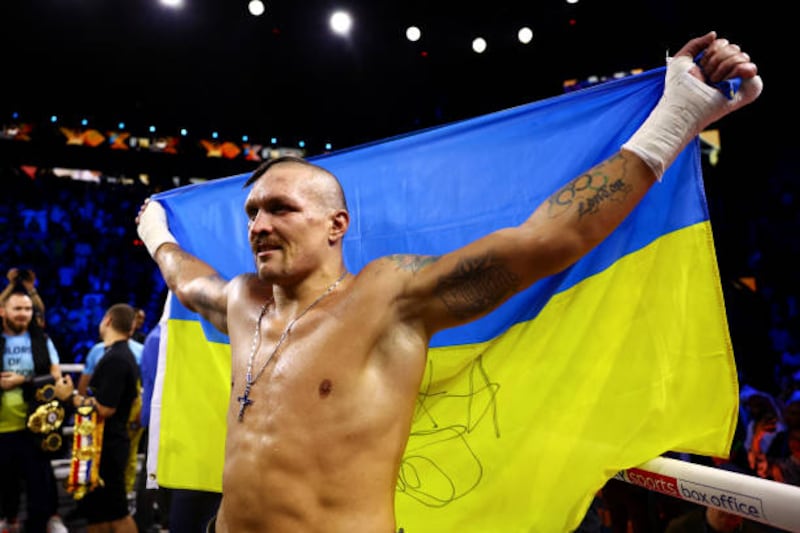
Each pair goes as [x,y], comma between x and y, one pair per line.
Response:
[256,7]
[413,33]
[525,35]
[479,45]
[341,22]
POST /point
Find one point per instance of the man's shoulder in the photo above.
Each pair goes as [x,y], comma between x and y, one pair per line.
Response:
[95,351]
[119,351]
[390,273]
[136,348]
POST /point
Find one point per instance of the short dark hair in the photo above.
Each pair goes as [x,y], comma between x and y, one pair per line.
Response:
[269,163]
[339,200]
[122,316]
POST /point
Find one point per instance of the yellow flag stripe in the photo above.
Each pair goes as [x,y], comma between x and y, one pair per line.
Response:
[630,363]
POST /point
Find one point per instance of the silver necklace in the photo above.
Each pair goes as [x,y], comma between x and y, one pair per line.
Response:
[244,400]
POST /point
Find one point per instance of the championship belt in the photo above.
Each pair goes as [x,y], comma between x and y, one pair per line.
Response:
[46,420]
[135,431]
[87,445]
[46,415]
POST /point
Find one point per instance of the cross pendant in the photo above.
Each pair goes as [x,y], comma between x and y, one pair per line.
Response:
[244,401]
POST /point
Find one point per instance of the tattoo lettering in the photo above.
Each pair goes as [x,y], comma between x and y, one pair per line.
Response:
[477,285]
[608,192]
[412,263]
[588,191]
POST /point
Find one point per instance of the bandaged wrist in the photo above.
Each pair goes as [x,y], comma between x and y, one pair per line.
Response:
[687,106]
[153,229]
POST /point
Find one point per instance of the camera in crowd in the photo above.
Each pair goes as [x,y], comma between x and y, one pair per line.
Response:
[25,275]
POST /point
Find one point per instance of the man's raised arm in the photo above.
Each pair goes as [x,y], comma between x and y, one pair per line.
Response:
[477,278]
[196,284]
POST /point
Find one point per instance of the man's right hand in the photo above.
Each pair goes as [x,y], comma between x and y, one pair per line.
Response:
[64,387]
[152,226]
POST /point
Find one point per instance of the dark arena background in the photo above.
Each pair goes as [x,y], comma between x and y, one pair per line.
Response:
[106,103]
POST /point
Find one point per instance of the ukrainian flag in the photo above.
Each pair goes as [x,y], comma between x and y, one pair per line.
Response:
[523,415]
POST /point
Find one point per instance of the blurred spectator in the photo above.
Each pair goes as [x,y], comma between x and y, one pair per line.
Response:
[94,355]
[779,447]
[27,353]
[138,326]
[93,358]
[27,279]
[784,451]
[114,390]
[787,469]
[762,419]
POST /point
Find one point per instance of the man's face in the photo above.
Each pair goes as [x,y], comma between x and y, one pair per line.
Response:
[139,319]
[102,328]
[288,224]
[17,313]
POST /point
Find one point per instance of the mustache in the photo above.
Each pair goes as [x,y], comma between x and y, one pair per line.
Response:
[260,244]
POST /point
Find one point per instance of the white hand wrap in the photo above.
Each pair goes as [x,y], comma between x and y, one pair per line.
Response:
[687,106]
[153,229]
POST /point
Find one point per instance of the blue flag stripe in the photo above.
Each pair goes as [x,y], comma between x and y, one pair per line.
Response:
[435,190]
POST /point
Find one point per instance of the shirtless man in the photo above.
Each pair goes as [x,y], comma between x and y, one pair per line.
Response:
[327,365]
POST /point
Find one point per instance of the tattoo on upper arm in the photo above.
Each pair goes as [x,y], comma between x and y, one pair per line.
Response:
[412,263]
[476,285]
[589,191]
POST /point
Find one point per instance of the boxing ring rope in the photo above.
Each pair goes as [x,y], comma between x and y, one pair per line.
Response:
[760,500]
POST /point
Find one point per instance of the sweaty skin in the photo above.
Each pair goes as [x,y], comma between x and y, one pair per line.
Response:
[320,446]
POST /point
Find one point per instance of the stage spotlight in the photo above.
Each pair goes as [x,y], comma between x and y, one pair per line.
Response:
[341,22]
[256,7]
